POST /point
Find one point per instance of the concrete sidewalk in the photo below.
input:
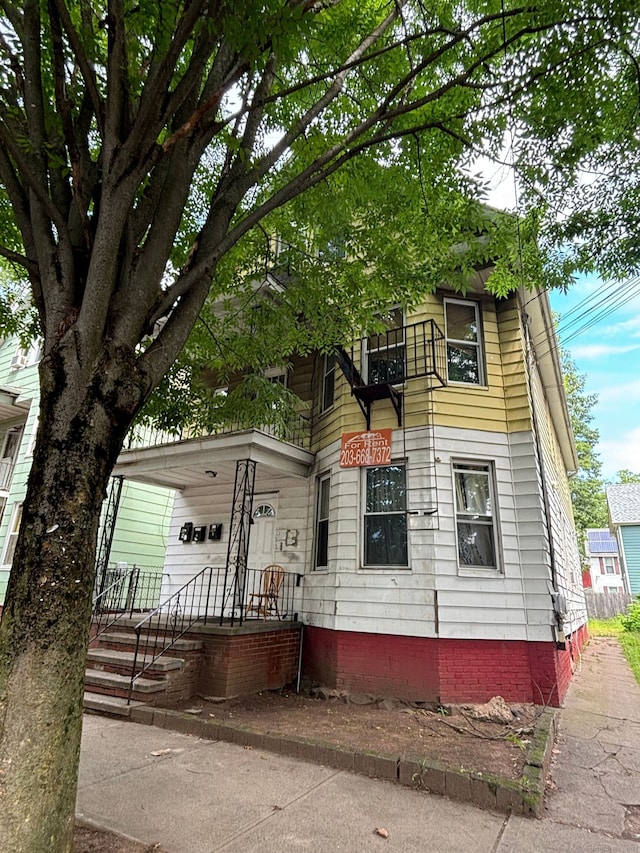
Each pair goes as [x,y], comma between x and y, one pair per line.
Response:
[201,796]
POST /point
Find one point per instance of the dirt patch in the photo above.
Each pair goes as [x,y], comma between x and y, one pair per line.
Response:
[452,737]
[90,839]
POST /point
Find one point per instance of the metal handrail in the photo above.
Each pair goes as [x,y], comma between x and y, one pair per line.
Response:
[130,593]
[171,620]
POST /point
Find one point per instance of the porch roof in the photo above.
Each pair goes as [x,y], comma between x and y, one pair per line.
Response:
[192,462]
[10,404]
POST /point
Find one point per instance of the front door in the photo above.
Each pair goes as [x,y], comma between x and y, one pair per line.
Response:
[262,540]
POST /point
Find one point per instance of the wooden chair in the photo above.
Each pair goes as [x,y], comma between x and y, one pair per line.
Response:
[265,602]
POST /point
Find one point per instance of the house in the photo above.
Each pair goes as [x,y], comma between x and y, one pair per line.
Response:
[140,536]
[623,501]
[421,513]
[601,553]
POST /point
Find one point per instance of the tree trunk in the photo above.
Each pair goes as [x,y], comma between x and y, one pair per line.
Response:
[45,624]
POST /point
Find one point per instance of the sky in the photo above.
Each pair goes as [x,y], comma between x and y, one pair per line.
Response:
[600,326]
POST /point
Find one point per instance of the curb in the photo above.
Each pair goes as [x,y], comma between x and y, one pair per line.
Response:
[522,797]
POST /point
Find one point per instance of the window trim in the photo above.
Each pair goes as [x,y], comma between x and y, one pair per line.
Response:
[319,519]
[395,463]
[488,467]
[479,344]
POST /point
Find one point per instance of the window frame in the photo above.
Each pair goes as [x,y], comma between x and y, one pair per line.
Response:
[478,344]
[399,513]
[322,522]
[491,520]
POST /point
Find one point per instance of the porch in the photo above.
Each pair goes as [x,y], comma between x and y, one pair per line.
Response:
[226,627]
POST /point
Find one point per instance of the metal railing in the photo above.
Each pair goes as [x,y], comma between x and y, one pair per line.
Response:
[214,595]
[296,431]
[123,592]
[396,355]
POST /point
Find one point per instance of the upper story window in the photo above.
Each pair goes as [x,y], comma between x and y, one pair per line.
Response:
[464,342]
[26,356]
[385,516]
[475,522]
[328,382]
[276,375]
[385,352]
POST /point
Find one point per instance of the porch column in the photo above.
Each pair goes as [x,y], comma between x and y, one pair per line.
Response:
[239,532]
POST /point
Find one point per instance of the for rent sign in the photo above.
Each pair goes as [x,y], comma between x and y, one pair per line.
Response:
[372,447]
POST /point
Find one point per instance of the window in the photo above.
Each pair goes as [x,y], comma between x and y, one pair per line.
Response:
[26,356]
[475,529]
[10,449]
[12,536]
[464,342]
[609,565]
[276,375]
[322,523]
[385,353]
[385,516]
[328,382]
[264,511]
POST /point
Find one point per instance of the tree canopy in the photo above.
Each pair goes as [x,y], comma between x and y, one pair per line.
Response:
[150,149]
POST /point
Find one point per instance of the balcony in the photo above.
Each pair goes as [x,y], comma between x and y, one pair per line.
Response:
[384,361]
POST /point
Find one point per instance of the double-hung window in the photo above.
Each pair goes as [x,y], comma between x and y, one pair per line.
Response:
[385,516]
[12,535]
[328,382]
[322,523]
[475,518]
[385,352]
[464,342]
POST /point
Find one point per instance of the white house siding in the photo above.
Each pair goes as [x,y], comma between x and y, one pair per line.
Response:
[212,504]
[475,605]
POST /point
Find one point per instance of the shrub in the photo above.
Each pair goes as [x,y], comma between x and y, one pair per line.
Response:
[631,619]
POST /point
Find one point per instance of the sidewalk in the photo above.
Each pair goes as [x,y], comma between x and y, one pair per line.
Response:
[205,796]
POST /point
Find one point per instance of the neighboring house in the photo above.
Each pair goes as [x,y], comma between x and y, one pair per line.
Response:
[140,535]
[423,512]
[623,501]
[601,553]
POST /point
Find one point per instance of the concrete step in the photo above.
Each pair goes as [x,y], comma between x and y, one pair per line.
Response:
[102,657]
[112,706]
[129,639]
[113,680]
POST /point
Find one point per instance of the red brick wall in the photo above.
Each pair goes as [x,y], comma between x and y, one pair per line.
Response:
[244,663]
[447,671]
[476,670]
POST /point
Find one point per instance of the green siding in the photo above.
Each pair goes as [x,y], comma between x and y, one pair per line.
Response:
[142,525]
[631,543]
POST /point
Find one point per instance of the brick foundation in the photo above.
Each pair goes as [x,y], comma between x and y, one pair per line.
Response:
[239,661]
[441,670]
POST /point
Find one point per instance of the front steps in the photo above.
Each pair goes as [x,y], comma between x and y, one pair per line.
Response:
[168,680]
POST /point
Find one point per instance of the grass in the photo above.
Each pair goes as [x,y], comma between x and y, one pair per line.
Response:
[629,640]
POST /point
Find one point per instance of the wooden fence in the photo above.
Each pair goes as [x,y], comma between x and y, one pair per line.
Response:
[602,605]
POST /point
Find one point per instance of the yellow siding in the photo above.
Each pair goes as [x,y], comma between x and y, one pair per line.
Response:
[500,406]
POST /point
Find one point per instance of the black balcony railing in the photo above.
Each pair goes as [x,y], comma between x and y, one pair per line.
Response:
[390,358]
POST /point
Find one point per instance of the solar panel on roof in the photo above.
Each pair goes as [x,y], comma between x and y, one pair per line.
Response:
[602,542]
